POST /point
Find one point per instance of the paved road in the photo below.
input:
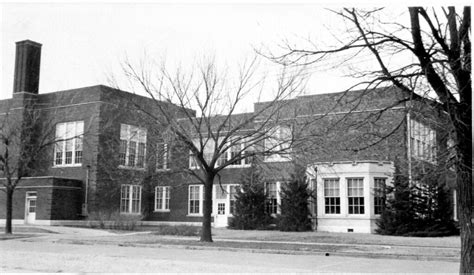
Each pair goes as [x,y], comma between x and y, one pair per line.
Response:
[28,255]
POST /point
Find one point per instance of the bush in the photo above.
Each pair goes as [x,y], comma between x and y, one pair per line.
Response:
[177,230]
[295,215]
[113,220]
[250,204]
[422,210]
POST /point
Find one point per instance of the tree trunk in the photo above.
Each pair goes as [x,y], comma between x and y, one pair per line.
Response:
[464,187]
[8,225]
[206,234]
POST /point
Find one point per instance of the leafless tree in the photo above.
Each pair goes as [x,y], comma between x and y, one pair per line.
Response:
[433,60]
[24,137]
[219,135]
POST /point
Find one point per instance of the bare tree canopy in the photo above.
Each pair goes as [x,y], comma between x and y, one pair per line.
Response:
[218,136]
[430,56]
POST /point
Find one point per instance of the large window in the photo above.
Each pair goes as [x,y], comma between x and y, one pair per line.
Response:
[68,147]
[278,141]
[162,198]
[355,195]
[422,141]
[379,195]
[272,197]
[130,199]
[195,200]
[132,146]
[162,156]
[236,149]
[332,199]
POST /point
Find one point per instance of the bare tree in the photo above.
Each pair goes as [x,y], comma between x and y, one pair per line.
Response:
[24,137]
[219,135]
[433,60]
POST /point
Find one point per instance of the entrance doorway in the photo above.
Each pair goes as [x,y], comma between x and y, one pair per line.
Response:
[223,204]
[30,209]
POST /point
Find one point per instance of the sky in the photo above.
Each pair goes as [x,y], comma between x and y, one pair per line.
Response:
[85,43]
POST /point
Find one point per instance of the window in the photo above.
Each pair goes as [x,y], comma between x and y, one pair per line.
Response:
[455,206]
[195,200]
[238,148]
[162,198]
[332,199]
[162,157]
[422,141]
[233,193]
[130,199]
[355,194]
[272,197]
[278,141]
[132,146]
[68,147]
[379,195]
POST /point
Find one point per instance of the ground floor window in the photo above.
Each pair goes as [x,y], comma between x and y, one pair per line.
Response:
[332,199]
[195,200]
[379,195]
[272,197]
[130,199]
[162,198]
[233,193]
[355,194]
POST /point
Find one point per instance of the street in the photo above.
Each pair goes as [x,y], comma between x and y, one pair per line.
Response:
[29,255]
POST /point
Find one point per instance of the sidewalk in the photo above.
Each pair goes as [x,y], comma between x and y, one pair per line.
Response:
[275,242]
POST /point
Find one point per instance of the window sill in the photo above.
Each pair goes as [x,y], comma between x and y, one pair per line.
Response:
[238,166]
[162,211]
[67,165]
[130,214]
[277,160]
[163,170]
[418,158]
[194,215]
[132,168]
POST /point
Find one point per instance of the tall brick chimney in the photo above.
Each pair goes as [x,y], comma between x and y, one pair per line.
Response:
[27,67]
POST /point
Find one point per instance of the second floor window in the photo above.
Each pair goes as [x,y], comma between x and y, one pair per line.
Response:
[132,146]
[278,141]
[68,146]
[238,148]
[162,156]
[422,141]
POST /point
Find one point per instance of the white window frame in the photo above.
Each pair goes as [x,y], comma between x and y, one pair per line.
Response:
[140,138]
[423,141]
[225,156]
[162,162]
[455,205]
[130,199]
[277,197]
[336,187]
[164,195]
[63,138]
[276,141]
[359,189]
[201,199]
[379,192]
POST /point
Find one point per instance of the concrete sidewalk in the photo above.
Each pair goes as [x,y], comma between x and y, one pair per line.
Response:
[340,245]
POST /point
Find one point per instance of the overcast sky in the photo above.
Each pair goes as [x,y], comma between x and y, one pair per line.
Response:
[83,43]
